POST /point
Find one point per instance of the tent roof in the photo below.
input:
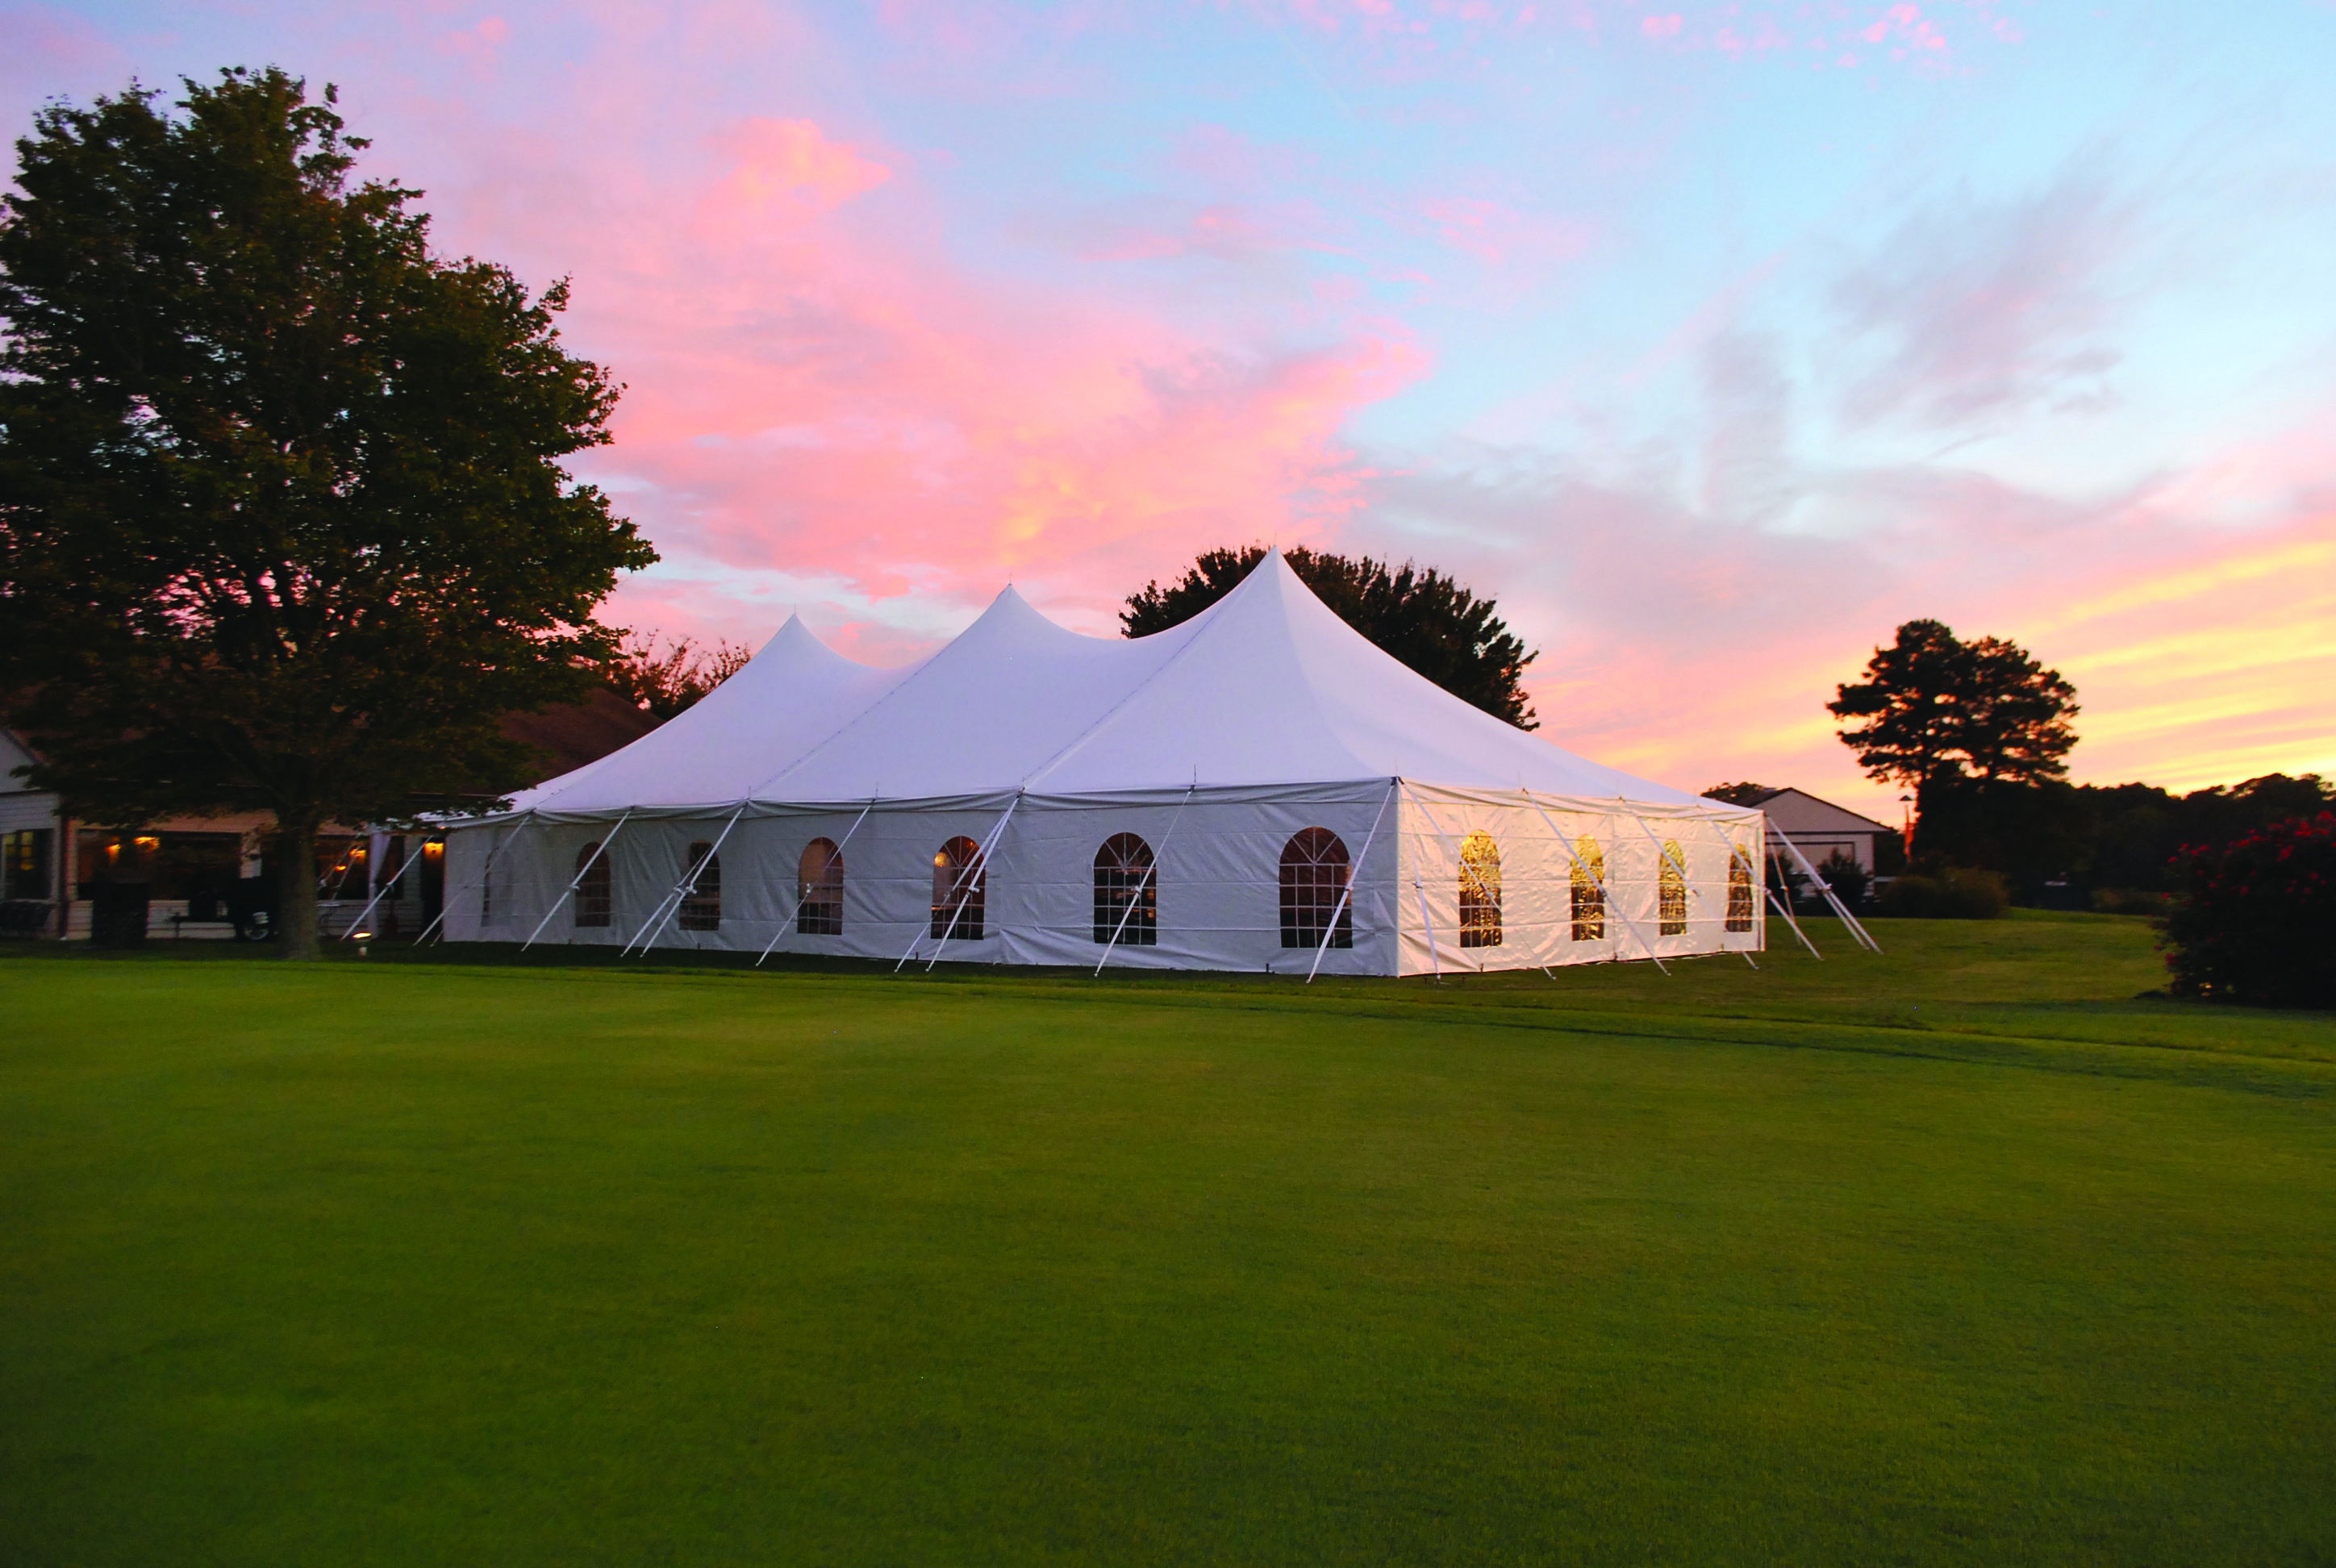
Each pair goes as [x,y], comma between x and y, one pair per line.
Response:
[1267,687]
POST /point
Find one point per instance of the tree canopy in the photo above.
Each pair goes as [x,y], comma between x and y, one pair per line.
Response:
[1934,710]
[283,523]
[1433,623]
[668,682]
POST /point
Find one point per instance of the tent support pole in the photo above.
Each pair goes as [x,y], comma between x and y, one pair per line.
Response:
[670,905]
[1347,891]
[1597,880]
[582,872]
[365,913]
[803,892]
[1465,869]
[1786,910]
[486,870]
[980,868]
[1832,897]
[1148,873]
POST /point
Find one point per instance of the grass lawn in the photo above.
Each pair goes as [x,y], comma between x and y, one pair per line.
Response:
[1959,1254]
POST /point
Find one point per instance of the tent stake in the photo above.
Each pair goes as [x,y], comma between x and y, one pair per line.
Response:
[1856,930]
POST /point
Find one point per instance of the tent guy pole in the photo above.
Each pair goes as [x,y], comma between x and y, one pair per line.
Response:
[1347,891]
[1148,873]
[1832,897]
[381,893]
[803,892]
[1465,869]
[582,872]
[980,868]
[1663,851]
[1608,899]
[670,905]
[1786,910]
[486,870]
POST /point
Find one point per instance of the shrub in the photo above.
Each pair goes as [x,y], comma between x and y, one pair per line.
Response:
[1950,893]
[2256,922]
[1848,880]
[2130,901]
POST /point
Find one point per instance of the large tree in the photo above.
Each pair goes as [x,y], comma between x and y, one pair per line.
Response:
[283,523]
[1933,708]
[1425,618]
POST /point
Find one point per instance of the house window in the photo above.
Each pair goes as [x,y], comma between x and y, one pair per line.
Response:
[1740,906]
[1589,890]
[818,890]
[1480,891]
[701,906]
[1671,893]
[25,864]
[961,890]
[1313,888]
[1126,893]
[595,899]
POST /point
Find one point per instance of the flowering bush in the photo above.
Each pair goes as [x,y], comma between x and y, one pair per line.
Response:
[2256,922]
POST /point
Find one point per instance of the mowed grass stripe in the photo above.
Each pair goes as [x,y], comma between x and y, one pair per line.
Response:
[377,1264]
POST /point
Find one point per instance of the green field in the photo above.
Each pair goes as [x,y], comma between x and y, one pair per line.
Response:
[1960,1254]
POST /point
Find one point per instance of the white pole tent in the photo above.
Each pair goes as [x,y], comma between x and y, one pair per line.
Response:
[1260,788]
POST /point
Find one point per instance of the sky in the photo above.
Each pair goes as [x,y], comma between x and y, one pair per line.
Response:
[1712,340]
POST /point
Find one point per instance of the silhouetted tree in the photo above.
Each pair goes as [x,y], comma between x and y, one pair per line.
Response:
[1423,617]
[282,519]
[1934,706]
[671,682]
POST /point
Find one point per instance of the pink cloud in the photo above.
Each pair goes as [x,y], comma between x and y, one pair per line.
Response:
[791,164]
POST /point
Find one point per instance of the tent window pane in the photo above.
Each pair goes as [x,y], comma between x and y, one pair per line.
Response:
[819,892]
[594,904]
[1480,891]
[961,890]
[1588,892]
[1313,885]
[1740,906]
[701,907]
[1671,897]
[1126,893]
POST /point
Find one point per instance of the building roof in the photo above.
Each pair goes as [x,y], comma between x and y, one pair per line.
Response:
[1267,687]
[1796,811]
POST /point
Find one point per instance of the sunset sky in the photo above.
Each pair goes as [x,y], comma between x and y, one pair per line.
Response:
[1712,340]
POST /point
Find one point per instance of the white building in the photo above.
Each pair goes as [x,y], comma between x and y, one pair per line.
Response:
[1819,829]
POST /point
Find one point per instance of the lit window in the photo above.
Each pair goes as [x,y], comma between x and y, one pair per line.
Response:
[1313,889]
[1126,893]
[595,901]
[818,890]
[1671,894]
[1588,892]
[961,890]
[701,906]
[1480,891]
[1740,906]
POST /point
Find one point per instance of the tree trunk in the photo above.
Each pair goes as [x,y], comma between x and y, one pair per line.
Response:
[295,891]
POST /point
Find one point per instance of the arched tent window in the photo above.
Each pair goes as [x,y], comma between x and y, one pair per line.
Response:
[701,906]
[1480,891]
[1589,890]
[594,900]
[1313,882]
[1671,912]
[1740,905]
[1126,893]
[818,890]
[961,889]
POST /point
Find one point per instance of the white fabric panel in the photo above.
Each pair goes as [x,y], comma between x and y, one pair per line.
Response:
[1217,855]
